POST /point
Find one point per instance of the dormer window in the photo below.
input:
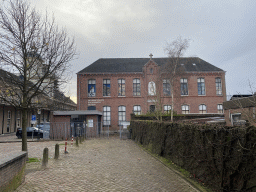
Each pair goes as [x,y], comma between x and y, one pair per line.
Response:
[194,64]
[151,70]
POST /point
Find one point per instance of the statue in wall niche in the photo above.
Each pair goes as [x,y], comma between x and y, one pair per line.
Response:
[151,88]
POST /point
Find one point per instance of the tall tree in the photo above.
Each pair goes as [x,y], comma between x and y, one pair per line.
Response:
[34,49]
[172,70]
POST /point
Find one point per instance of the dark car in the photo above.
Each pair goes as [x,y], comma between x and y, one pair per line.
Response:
[30,131]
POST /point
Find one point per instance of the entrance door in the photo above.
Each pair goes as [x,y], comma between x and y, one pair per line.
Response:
[152,108]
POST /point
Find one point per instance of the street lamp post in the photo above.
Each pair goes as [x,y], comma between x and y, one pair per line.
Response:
[39,113]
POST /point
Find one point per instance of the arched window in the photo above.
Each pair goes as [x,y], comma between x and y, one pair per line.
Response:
[202,108]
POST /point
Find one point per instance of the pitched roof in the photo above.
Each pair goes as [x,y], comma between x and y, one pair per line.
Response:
[131,65]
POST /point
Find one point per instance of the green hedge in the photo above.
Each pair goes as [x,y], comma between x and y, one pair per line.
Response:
[221,157]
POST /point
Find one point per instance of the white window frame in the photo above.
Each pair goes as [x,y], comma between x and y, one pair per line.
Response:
[137,109]
[106,115]
[202,109]
[167,108]
[121,114]
[185,109]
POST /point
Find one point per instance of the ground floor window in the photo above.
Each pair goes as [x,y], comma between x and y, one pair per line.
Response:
[121,114]
[137,109]
[167,108]
[106,115]
[220,108]
[185,109]
[202,109]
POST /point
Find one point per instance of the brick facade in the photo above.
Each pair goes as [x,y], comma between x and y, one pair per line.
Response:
[149,73]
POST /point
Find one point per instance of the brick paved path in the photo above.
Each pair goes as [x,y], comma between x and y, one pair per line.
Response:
[105,165]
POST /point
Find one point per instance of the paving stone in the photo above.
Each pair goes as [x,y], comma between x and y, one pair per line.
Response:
[101,165]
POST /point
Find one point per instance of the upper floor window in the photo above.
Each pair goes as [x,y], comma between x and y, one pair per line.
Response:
[166,87]
[218,86]
[201,86]
[121,114]
[202,109]
[106,87]
[136,87]
[91,88]
[167,108]
[121,87]
[185,109]
[152,108]
[106,115]
[184,86]
[151,70]
[220,108]
[137,109]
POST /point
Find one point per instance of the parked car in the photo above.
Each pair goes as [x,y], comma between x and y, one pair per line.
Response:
[45,127]
[30,131]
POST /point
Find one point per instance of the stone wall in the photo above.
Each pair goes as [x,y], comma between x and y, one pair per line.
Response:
[12,171]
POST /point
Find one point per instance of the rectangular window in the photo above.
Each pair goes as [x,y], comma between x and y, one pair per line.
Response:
[136,87]
[166,87]
[185,109]
[184,86]
[137,109]
[121,114]
[202,109]
[9,116]
[91,88]
[106,115]
[18,119]
[201,86]
[167,108]
[218,86]
[90,122]
[220,108]
[106,87]
[121,87]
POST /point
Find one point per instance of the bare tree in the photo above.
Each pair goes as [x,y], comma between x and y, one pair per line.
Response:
[35,53]
[172,70]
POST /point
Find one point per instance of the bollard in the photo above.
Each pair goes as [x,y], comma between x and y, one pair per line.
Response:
[57,151]
[66,143]
[77,141]
[72,141]
[80,139]
[45,157]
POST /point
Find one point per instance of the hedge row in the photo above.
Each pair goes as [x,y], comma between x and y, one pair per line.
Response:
[223,158]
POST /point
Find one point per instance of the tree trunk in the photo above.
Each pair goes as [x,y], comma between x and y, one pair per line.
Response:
[172,108]
[24,129]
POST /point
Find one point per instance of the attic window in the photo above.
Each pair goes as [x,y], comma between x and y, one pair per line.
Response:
[151,70]
[194,64]
[182,64]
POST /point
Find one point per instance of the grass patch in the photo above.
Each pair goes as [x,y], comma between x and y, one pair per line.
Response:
[32,160]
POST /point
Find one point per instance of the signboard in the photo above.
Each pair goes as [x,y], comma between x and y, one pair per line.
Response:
[125,124]
[33,119]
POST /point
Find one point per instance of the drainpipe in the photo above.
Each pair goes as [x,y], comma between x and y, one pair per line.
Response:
[3,121]
[79,92]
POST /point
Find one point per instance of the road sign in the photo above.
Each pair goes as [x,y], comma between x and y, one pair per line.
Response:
[33,118]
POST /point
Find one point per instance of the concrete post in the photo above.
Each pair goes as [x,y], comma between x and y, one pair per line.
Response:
[77,141]
[57,151]
[45,157]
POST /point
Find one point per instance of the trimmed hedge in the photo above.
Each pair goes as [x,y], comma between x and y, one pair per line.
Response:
[221,157]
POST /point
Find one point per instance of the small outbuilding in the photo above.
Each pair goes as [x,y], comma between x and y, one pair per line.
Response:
[64,124]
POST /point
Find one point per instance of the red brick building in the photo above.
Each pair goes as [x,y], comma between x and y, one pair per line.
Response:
[121,86]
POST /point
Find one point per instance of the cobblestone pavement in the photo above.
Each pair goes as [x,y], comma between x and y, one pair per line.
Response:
[103,165]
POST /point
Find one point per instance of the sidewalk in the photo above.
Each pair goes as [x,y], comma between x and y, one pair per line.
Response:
[105,165]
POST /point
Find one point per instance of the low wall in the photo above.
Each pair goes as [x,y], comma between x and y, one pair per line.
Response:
[12,171]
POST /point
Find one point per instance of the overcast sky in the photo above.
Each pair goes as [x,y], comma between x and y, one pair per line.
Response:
[222,33]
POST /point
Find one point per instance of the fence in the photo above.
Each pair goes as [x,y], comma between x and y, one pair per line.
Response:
[63,130]
[60,130]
